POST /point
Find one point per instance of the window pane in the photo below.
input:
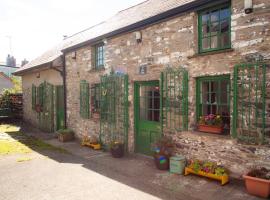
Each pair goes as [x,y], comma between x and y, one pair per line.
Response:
[214,42]
[224,13]
[205,18]
[215,16]
[224,26]
[205,30]
[205,43]
[214,28]
[224,40]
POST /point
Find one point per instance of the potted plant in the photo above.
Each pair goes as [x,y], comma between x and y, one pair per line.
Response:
[207,169]
[163,150]
[117,149]
[257,182]
[211,124]
[65,135]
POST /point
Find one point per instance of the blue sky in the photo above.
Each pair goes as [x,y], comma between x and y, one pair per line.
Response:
[34,26]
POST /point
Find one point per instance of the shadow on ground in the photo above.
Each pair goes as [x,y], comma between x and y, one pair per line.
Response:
[133,170]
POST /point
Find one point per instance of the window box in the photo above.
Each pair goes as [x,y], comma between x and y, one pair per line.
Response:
[210,129]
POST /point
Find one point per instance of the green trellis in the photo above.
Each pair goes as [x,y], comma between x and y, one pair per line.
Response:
[174,87]
[45,99]
[114,109]
[249,111]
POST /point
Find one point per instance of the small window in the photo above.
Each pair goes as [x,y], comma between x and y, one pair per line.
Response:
[95,98]
[215,29]
[99,56]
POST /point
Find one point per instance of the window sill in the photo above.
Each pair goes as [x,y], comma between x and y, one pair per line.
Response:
[211,53]
[96,70]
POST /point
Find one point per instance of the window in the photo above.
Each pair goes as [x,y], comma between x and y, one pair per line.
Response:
[215,29]
[213,97]
[95,98]
[99,56]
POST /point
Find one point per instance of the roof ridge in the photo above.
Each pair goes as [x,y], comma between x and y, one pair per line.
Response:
[133,6]
[84,30]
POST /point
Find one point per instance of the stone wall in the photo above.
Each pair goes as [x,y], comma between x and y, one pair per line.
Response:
[49,75]
[174,43]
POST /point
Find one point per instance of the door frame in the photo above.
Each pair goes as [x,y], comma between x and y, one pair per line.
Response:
[136,110]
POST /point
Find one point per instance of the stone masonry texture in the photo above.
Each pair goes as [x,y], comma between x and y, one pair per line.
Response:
[174,43]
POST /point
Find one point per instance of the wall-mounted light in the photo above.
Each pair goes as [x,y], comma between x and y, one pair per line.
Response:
[248,6]
[105,41]
[138,36]
[73,55]
[38,75]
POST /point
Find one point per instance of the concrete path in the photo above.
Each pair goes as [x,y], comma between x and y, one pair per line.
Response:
[89,174]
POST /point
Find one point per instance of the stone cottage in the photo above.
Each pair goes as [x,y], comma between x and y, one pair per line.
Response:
[161,66]
[43,94]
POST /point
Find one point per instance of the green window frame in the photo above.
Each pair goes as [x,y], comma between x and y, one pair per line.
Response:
[214,28]
[84,99]
[95,98]
[216,98]
[99,56]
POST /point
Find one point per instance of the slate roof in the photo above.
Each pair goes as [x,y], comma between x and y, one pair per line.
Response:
[47,57]
[122,19]
[125,18]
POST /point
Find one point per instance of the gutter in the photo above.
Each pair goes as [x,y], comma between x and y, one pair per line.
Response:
[65,90]
[192,6]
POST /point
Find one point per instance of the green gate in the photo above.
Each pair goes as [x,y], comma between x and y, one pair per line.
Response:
[174,94]
[45,95]
[114,109]
[249,111]
[60,108]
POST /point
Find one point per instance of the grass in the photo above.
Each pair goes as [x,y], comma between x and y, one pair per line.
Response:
[23,159]
[21,143]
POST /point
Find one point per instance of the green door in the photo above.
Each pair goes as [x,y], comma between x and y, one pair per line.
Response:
[147,115]
[60,115]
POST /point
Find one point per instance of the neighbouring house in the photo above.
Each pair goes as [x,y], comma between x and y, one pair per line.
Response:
[42,86]
[160,67]
[5,82]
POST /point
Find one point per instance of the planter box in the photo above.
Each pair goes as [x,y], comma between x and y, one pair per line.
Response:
[224,179]
[65,137]
[210,129]
[256,186]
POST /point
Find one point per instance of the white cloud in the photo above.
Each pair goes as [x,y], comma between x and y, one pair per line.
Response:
[36,26]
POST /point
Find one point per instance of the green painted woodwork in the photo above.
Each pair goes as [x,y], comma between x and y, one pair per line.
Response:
[249,97]
[84,99]
[34,93]
[147,115]
[213,97]
[214,28]
[60,109]
[45,96]
[174,99]
[114,109]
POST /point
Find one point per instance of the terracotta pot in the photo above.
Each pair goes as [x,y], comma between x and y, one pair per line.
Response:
[257,186]
[162,162]
[210,129]
[117,151]
[65,137]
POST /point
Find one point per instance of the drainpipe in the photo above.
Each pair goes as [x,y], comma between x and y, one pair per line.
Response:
[65,90]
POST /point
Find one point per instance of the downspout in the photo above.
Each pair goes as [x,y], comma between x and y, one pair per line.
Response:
[65,90]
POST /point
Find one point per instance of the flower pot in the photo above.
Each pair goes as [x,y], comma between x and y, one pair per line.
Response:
[257,186]
[210,129]
[65,137]
[162,162]
[117,151]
